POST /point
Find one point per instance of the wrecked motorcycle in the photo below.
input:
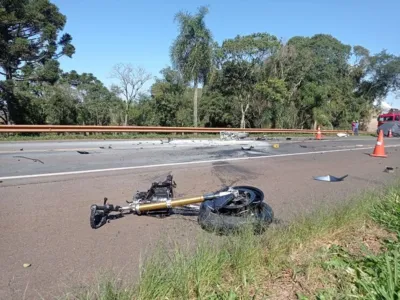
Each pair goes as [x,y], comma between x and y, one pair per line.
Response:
[225,210]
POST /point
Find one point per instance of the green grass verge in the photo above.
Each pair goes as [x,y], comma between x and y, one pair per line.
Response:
[118,136]
[328,254]
[369,274]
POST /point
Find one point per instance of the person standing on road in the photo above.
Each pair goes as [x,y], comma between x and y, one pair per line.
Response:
[353,125]
[356,128]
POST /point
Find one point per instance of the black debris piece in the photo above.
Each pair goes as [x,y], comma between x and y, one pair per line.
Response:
[247,147]
[288,139]
[109,147]
[101,147]
[82,152]
[389,170]
[303,146]
[34,159]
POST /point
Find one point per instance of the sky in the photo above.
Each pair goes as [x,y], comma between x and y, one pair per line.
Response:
[141,32]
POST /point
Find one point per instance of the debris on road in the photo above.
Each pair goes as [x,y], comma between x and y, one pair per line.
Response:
[109,147]
[389,170]
[26,265]
[101,147]
[247,147]
[22,149]
[341,134]
[303,146]
[232,135]
[288,139]
[82,152]
[34,159]
[276,146]
[167,141]
[223,211]
[330,178]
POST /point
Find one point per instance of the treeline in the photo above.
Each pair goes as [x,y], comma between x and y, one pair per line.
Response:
[255,80]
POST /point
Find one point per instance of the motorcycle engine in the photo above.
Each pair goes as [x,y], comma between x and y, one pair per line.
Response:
[158,192]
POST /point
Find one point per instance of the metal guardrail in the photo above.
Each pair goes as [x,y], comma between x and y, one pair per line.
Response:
[150,129]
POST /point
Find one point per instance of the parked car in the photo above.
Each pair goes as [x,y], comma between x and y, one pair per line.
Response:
[395,126]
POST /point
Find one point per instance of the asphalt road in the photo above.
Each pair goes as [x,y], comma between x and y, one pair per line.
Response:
[45,205]
[46,158]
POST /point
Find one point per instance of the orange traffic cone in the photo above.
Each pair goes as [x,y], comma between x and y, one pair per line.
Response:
[379,150]
[318,136]
[390,133]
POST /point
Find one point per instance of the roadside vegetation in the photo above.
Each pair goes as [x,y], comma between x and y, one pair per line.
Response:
[254,80]
[351,251]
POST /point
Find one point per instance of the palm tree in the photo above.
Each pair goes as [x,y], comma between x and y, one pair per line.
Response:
[191,52]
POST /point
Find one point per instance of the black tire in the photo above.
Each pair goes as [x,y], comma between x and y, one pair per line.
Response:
[262,215]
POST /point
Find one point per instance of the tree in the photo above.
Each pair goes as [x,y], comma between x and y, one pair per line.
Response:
[191,52]
[96,104]
[29,39]
[239,79]
[131,81]
[271,93]
[243,58]
[170,99]
[254,48]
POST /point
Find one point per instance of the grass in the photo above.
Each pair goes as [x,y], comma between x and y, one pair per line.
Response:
[348,252]
[368,274]
[8,137]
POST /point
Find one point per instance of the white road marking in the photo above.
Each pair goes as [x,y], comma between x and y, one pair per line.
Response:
[186,163]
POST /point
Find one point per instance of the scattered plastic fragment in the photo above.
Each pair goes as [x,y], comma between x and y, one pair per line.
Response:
[276,146]
[330,178]
[247,147]
[26,265]
[341,134]
[82,152]
[389,170]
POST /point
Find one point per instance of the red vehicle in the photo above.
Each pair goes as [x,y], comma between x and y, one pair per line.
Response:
[392,115]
